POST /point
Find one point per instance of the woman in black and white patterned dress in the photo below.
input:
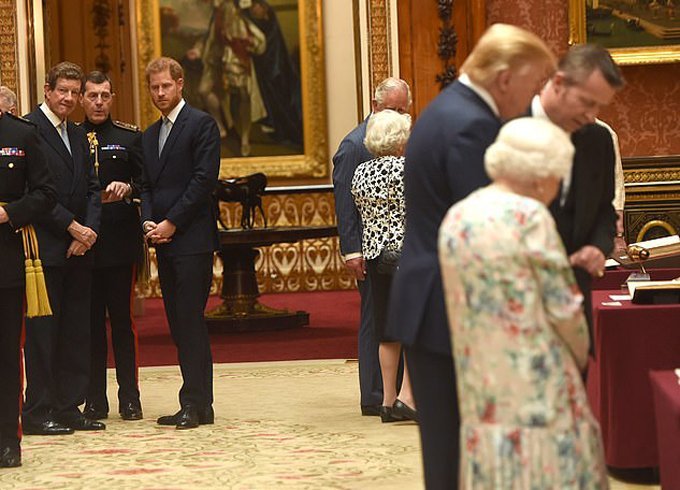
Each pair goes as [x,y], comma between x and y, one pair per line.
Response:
[378,190]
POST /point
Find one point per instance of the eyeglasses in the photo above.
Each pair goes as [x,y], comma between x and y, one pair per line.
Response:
[93,96]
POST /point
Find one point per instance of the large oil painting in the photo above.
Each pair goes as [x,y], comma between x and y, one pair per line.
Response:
[635,31]
[257,67]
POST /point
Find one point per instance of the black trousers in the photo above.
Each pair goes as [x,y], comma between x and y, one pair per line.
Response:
[11,317]
[112,290]
[434,387]
[185,283]
[57,348]
[370,380]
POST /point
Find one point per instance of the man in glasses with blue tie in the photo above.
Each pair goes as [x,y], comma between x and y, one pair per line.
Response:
[182,162]
[57,347]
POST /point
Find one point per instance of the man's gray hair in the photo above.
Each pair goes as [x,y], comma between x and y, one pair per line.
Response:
[387,132]
[529,148]
[388,85]
[8,99]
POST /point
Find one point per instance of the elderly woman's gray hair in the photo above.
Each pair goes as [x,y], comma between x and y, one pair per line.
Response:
[387,132]
[529,148]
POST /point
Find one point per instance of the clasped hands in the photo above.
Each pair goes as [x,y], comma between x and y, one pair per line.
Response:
[83,239]
[116,191]
[159,233]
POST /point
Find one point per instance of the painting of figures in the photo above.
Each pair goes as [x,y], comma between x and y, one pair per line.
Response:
[242,65]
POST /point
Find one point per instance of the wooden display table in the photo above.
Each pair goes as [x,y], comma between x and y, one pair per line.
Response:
[240,310]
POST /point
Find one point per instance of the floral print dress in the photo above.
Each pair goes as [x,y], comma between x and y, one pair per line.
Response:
[525,420]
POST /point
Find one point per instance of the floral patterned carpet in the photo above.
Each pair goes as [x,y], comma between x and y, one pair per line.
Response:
[288,425]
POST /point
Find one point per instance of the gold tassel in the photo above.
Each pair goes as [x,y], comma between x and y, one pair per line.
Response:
[32,308]
[42,297]
[37,299]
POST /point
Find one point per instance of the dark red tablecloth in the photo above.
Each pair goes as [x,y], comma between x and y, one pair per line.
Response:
[614,278]
[630,340]
[667,409]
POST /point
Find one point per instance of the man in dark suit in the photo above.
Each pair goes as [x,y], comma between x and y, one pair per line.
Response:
[395,94]
[444,163]
[586,80]
[116,155]
[26,191]
[182,161]
[57,347]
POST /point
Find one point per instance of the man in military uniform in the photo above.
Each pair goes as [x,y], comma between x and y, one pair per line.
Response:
[57,347]
[116,156]
[26,191]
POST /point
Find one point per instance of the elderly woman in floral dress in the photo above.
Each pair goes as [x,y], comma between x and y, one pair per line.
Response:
[518,332]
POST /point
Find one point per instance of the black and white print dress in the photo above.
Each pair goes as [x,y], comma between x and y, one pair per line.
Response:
[378,190]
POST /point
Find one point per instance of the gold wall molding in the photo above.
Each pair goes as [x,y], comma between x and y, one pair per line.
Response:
[380,42]
[8,45]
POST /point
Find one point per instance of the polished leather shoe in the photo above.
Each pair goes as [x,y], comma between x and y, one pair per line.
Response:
[10,457]
[403,411]
[47,428]
[187,418]
[387,416]
[94,412]
[370,410]
[131,411]
[83,423]
[205,417]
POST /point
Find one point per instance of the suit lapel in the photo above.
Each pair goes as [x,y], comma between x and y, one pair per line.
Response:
[51,136]
[175,132]
[77,158]
[151,150]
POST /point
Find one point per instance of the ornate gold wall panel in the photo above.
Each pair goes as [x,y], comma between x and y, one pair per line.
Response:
[379,38]
[8,44]
[308,265]
[652,205]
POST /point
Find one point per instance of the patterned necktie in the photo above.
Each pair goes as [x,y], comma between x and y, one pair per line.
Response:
[166,126]
[64,135]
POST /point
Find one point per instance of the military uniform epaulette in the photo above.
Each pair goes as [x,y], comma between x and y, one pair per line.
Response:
[19,118]
[124,125]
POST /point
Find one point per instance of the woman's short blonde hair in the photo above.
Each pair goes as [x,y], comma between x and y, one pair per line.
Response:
[529,148]
[387,132]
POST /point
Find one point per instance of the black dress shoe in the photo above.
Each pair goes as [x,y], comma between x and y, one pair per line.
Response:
[83,423]
[47,428]
[370,410]
[400,409]
[205,417]
[95,412]
[131,411]
[187,418]
[10,457]
[387,416]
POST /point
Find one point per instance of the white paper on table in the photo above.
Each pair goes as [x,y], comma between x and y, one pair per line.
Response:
[620,297]
[612,303]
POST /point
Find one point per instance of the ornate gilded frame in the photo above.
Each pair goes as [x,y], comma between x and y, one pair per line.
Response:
[623,56]
[314,162]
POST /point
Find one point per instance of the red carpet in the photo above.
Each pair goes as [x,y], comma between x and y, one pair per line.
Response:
[331,334]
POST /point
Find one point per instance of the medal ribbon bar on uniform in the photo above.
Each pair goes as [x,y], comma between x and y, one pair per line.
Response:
[12,152]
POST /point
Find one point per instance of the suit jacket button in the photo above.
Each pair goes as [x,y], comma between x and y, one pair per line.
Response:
[11,165]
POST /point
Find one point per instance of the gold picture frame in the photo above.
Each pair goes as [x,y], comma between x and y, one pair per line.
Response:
[627,52]
[313,163]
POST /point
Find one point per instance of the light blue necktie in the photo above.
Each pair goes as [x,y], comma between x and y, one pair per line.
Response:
[64,135]
[166,126]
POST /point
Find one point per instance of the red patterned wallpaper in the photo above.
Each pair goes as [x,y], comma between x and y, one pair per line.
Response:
[646,114]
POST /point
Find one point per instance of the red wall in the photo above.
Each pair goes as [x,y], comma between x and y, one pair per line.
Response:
[645,114]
